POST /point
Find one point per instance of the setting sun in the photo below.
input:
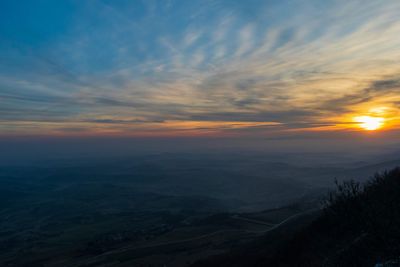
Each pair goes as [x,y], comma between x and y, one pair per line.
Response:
[370,123]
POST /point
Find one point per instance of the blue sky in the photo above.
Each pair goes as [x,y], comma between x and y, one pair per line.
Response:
[196,67]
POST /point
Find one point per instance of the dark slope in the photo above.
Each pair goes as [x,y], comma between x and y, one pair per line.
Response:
[360,226]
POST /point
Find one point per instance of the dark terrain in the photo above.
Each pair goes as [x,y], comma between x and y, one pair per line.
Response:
[359,226]
[159,210]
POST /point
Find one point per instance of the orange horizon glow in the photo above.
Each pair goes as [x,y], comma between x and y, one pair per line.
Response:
[362,118]
[370,123]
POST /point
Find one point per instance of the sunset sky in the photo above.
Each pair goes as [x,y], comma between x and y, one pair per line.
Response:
[194,68]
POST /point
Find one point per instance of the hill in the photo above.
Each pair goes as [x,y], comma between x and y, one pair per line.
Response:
[359,226]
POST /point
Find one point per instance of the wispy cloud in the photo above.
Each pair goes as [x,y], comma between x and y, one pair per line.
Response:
[287,64]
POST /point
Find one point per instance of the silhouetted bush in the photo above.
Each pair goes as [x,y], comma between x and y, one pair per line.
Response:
[359,226]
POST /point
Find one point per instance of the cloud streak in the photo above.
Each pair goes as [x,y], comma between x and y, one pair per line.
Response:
[213,62]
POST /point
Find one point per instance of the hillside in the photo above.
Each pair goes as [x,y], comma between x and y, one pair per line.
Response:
[359,226]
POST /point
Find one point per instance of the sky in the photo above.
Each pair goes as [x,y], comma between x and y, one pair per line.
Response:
[177,68]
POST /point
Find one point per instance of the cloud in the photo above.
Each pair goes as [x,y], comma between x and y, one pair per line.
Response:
[299,64]
[114,121]
[385,85]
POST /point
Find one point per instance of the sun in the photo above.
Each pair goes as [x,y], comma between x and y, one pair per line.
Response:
[370,123]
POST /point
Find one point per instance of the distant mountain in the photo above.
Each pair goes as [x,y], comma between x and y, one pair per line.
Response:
[360,226]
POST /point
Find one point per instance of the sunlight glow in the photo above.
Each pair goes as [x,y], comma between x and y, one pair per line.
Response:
[370,123]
